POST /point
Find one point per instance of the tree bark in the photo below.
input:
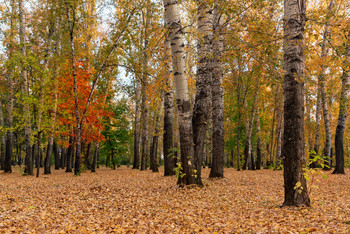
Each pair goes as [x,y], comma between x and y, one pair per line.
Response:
[217,94]
[94,163]
[154,146]
[70,155]
[201,111]
[249,161]
[339,134]
[56,155]
[173,23]
[168,136]
[136,164]
[322,82]
[293,87]
[25,90]
[258,151]
[2,144]
[144,104]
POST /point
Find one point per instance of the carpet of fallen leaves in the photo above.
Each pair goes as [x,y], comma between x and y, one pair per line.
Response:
[126,200]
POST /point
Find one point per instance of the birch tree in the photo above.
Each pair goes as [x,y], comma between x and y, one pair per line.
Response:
[173,24]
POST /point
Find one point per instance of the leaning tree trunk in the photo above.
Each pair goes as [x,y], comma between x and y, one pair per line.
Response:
[203,84]
[25,89]
[217,94]
[173,23]
[136,164]
[293,87]
[339,135]
[168,138]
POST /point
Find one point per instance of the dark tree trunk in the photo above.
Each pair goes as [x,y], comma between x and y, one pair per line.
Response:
[57,155]
[217,93]
[168,140]
[10,98]
[47,163]
[339,135]
[201,111]
[293,87]
[87,156]
[108,160]
[94,163]
[63,157]
[25,89]
[70,155]
[41,157]
[154,146]
[2,144]
[113,161]
[37,155]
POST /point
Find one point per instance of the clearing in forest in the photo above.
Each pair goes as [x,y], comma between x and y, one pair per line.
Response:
[126,200]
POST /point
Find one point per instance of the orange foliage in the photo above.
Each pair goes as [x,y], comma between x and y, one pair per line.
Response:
[66,106]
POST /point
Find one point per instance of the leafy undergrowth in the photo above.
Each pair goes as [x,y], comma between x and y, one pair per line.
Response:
[128,200]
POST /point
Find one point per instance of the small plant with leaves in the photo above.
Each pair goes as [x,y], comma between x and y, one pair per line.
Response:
[311,174]
[178,169]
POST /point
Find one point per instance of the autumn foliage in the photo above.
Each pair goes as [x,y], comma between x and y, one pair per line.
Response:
[66,107]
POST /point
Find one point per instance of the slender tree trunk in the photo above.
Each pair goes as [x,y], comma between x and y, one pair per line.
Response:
[56,155]
[25,89]
[279,158]
[136,164]
[322,82]
[239,128]
[144,104]
[87,156]
[112,156]
[339,135]
[10,98]
[2,146]
[154,146]
[173,23]
[248,145]
[203,84]
[70,155]
[168,140]
[94,163]
[63,157]
[144,122]
[217,94]
[258,151]
[293,87]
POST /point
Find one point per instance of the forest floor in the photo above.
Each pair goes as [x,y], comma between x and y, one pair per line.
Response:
[128,200]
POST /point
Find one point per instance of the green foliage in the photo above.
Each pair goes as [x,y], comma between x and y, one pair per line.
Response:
[178,168]
[313,175]
[117,134]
